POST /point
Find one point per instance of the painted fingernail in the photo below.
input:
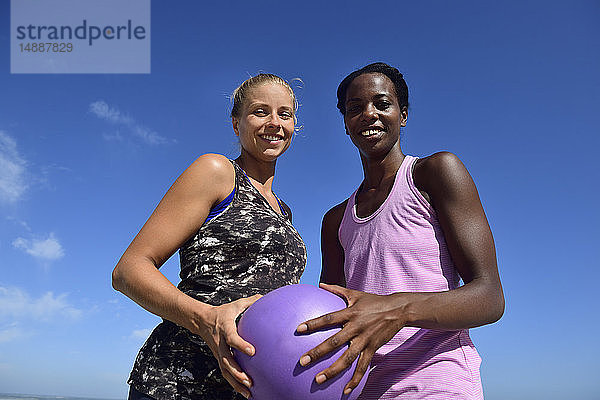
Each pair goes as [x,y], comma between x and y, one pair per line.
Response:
[348,391]
[246,382]
[321,378]
[304,360]
[302,328]
[250,351]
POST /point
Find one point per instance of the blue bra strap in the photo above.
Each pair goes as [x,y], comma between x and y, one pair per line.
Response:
[219,208]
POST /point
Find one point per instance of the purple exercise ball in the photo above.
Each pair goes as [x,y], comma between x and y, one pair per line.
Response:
[270,325]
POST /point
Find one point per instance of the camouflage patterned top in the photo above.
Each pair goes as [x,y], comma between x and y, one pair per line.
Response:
[247,249]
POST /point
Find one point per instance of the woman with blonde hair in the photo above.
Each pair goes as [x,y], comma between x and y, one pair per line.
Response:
[236,242]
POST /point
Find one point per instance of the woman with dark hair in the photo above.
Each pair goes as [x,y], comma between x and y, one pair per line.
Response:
[396,251]
[236,242]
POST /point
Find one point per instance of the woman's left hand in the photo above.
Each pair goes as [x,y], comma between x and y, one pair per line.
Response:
[368,322]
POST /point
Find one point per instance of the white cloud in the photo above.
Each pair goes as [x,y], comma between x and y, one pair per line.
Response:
[104,111]
[17,304]
[12,332]
[12,170]
[112,114]
[48,249]
[19,222]
[147,135]
[17,308]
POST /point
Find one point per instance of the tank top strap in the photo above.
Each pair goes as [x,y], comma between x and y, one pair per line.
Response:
[409,166]
[222,206]
[243,180]
[240,176]
[399,187]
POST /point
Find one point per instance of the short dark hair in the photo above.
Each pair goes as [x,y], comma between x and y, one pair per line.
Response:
[381,68]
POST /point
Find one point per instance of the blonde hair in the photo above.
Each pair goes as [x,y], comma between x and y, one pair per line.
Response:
[240,94]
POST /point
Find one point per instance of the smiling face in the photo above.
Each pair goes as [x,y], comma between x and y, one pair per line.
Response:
[373,116]
[266,122]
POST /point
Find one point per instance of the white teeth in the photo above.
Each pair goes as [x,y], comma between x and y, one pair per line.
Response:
[270,137]
[370,132]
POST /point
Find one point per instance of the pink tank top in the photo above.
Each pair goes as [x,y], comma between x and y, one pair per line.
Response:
[401,248]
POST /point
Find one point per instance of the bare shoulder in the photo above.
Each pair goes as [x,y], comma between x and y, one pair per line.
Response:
[439,170]
[212,174]
[441,162]
[212,165]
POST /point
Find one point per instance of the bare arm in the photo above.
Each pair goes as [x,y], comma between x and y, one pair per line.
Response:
[371,320]
[177,217]
[454,197]
[332,253]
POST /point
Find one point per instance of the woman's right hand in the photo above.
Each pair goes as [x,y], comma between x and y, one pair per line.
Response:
[219,331]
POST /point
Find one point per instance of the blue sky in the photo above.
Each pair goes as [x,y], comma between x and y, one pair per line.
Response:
[511,87]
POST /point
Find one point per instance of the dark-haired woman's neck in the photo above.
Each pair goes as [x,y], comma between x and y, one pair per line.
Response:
[377,170]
